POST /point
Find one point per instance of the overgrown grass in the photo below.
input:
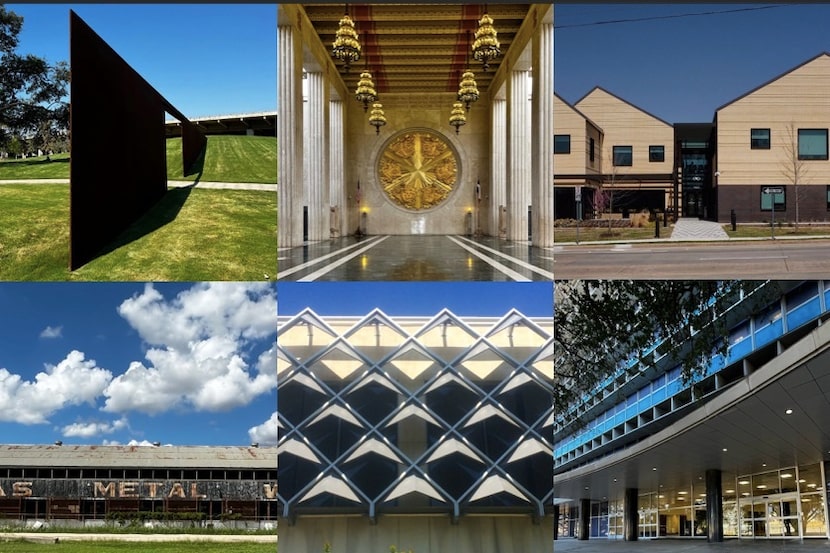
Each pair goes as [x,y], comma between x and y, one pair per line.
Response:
[211,235]
[20,546]
[229,158]
[763,231]
[36,168]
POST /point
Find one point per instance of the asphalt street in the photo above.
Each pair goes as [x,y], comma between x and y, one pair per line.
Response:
[779,259]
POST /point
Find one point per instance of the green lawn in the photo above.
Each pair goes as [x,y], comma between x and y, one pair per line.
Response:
[190,235]
[229,158]
[36,168]
[763,231]
[568,234]
[20,546]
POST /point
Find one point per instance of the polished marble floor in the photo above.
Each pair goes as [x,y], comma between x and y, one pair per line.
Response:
[415,258]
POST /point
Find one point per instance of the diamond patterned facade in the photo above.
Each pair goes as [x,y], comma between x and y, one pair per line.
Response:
[401,415]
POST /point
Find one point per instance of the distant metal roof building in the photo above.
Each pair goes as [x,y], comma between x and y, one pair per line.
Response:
[262,123]
[189,457]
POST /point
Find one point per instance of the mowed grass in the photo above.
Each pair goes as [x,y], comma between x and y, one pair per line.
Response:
[36,168]
[763,231]
[229,158]
[189,235]
[20,546]
[592,234]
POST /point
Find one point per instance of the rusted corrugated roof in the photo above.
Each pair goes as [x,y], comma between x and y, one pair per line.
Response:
[191,457]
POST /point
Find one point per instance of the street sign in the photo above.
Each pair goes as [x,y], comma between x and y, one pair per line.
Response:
[773,190]
[578,194]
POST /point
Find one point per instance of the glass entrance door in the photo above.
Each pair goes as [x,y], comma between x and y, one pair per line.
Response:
[771,517]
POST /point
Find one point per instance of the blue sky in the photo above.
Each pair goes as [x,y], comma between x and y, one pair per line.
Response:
[417,298]
[206,59]
[682,69]
[98,363]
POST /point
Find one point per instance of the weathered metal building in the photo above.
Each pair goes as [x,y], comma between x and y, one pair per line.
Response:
[99,482]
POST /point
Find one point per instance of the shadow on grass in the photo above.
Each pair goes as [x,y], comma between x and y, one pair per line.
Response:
[198,167]
[31,162]
[165,211]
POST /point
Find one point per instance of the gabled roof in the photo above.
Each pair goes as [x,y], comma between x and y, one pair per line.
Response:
[574,108]
[769,82]
[623,100]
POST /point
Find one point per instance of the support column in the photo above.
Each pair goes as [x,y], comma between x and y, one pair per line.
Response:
[583,530]
[518,154]
[289,131]
[542,128]
[337,191]
[714,506]
[316,180]
[498,163]
[556,522]
[631,530]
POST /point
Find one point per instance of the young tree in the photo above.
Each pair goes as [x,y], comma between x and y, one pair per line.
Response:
[31,90]
[793,168]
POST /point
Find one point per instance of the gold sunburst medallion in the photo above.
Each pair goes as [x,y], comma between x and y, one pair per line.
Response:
[418,170]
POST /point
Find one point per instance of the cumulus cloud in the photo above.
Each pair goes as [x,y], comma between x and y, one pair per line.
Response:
[73,381]
[52,332]
[199,348]
[131,442]
[89,429]
[265,433]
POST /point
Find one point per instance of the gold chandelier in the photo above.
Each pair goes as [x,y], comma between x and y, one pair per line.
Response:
[366,90]
[346,47]
[468,88]
[457,116]
[377,118]
[486,47]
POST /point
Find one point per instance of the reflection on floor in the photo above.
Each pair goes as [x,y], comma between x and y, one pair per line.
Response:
[415,258]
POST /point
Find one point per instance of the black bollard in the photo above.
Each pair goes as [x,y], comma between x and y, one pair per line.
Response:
[734,219]
[656,226]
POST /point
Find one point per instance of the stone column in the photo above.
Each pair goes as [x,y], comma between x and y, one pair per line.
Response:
[542,129]
[337,180]
[631,519]
[289,131]
[518,155]
[714,505]
[498,163]
[317,178]
[583,528]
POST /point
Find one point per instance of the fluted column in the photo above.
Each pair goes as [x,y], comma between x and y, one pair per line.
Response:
[316,181]
[289,129]
[337,190]
[542,128]
[498,164]
[518,155]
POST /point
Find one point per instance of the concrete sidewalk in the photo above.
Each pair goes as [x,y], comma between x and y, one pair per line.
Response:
[694,229]
[689,546]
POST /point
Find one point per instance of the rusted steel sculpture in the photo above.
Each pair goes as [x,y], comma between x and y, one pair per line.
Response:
[118,165]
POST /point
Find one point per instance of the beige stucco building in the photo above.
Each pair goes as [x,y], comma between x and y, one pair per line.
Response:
[577,148]
[776,136]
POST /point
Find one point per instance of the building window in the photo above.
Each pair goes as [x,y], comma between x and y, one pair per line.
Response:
[759,139]
[812,143]
[591,147]
[828,197]
[780,200]
[561,144]
[656,153]
[622,156]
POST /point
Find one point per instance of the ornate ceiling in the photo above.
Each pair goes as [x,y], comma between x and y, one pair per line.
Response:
[418,47]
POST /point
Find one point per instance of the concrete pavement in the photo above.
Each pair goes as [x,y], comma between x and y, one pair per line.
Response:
[690,546]
[687,229]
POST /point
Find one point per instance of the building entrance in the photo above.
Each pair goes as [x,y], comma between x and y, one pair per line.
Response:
[771,517]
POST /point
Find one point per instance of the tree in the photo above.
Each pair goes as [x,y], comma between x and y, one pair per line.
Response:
[31,90]
[793,168]
[602,326]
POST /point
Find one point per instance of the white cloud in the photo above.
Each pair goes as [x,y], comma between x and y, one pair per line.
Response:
[87,430]
[265,433]
[52,332]
[200,341]
[73,381]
